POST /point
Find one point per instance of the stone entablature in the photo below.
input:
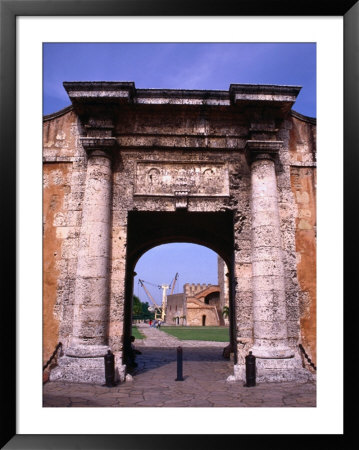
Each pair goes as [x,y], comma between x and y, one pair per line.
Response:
[240,141]
[104,92]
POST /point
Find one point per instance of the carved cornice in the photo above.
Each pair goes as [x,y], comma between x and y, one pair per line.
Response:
[99,92]
[281,97]
[263,92]
[253,97]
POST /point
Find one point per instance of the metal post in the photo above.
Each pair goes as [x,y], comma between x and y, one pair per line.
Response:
[250,370]
[110,369]
[179,364]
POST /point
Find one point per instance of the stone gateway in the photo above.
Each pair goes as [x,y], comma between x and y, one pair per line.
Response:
[127,169]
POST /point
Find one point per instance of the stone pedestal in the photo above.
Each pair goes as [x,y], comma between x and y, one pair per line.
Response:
[80,370]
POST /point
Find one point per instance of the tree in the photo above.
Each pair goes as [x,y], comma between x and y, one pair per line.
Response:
[225,311]
[136,306]
[146,314]
[140,310]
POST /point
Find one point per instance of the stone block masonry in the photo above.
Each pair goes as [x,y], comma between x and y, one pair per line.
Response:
[233,170]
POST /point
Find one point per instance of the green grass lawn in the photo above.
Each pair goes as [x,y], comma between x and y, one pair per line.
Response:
[136,332]
[217,334]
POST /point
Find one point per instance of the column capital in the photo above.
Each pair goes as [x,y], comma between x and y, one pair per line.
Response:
[99,146]
[256,150]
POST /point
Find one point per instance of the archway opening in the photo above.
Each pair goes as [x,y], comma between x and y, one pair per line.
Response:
[194,295]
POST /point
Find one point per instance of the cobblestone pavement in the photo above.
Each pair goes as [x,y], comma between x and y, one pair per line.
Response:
[205,372]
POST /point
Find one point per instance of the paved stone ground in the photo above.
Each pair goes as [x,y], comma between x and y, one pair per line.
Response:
[205,373]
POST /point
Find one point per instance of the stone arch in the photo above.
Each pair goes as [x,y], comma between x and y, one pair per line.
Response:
[208,291]
[147,230]
[243,208]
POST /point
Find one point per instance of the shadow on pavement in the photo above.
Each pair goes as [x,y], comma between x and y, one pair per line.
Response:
[155,357]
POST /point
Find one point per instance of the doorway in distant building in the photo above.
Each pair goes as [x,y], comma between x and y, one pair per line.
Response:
[203,320]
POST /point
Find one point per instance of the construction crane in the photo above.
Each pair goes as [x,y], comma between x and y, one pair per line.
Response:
[157,309]
[160,311]
[174,283]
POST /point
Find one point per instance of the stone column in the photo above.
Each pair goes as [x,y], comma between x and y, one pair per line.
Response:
[269,302]
[92,282]
[83,360]
[275,360]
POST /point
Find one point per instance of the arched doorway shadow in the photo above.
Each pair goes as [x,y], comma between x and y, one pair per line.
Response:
[150,229]
[153,358]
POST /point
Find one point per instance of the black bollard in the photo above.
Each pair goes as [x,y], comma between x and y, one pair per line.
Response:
[179,364]
[250,370]
[110,369]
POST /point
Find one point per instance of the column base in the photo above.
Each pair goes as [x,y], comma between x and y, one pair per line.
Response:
[85,364]
[87,351]
[275,370]
[276,352]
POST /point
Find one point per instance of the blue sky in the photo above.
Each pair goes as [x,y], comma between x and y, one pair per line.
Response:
[193,263]
[179,66]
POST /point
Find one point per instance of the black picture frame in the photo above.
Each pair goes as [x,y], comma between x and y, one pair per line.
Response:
[9,10]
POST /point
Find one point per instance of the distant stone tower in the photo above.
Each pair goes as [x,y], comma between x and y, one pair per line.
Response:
[223,283]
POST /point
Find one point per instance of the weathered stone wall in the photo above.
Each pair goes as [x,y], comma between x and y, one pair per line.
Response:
[303,183]
[175,307]
[192,304]
[172,157]
[191,289]
[64,178]
[158,137]
[200,314]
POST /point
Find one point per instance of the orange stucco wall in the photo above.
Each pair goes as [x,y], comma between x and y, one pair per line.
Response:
[303,182]
[56,186]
